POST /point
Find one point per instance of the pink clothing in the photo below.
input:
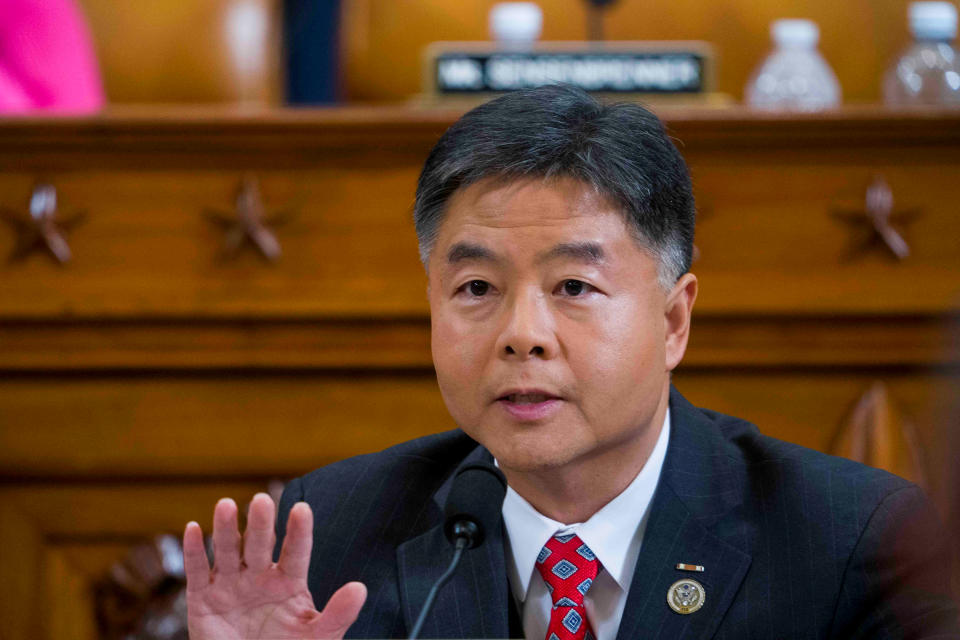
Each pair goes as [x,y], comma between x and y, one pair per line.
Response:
[47,60]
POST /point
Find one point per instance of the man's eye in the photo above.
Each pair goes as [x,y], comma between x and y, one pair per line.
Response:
[573,288]
[478,287]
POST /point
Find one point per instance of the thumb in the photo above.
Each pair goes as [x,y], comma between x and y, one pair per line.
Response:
[342,610]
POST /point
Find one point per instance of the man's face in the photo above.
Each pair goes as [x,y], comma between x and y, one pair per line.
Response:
[552,339]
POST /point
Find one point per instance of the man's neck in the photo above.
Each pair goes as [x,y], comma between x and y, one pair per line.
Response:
[574,492]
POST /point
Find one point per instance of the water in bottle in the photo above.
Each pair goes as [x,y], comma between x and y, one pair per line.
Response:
[928,72]
[794,76]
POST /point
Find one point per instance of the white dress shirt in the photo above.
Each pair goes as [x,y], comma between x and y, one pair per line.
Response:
[614,534]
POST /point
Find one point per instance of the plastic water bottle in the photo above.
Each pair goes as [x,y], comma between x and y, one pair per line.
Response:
[794,76]
[928,72]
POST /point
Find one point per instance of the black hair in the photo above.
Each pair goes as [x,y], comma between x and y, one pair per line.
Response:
[558,131]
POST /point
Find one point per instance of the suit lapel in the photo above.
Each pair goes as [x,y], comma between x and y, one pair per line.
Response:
[692,520]
[475,602]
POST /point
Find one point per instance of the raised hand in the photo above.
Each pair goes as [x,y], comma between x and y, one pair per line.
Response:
[247,595]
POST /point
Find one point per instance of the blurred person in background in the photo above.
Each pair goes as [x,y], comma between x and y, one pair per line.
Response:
[47,59]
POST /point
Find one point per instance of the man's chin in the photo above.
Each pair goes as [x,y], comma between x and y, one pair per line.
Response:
[531,459]
[535,446]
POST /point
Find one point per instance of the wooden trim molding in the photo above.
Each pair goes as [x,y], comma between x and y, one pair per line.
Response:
[303,135]
[404,343]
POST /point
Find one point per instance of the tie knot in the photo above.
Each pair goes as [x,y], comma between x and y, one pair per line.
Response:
[568,566]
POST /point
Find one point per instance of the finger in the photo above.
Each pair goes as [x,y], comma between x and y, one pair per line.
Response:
[226,538]
[259,538]
[341,611]
[195,563]
[295,554]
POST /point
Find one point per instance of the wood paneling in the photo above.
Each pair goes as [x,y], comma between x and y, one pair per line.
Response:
[22,556]
[146,248]
[58,541]
[361,343]
[164,51]
[877,433]
[64,536]
[109,511]
[811,407]
[218,424]
[348,345]
[149,376]
[71,570]
[94,428]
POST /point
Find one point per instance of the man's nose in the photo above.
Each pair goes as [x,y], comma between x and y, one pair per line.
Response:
[528,329]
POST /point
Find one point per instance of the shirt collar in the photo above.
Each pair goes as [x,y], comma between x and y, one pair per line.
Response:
[613,533]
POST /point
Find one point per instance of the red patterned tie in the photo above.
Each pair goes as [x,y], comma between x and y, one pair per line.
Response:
[568,567]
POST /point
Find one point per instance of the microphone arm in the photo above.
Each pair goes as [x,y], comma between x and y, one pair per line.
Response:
[467,535]
[467,521]
[458,550]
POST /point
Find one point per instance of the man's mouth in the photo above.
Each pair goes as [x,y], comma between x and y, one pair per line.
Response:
[529,405]
[527,398]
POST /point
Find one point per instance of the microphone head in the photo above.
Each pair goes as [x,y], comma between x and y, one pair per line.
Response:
[475,502]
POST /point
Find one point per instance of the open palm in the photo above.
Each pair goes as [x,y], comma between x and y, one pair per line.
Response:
[247,595]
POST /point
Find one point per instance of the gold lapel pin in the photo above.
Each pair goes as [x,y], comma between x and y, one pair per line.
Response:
[686,596]
[683,566]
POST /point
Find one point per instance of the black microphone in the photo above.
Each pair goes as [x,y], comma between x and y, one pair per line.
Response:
[473,509]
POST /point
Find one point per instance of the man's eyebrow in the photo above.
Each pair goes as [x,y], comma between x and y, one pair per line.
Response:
[589,252]
[468,251]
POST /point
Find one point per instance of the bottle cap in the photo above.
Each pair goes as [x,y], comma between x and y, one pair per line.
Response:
[516,22]
[933,20]
[795,33]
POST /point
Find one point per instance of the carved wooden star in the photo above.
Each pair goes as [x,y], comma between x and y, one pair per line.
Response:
[874,223]
[248,224]
[41,230]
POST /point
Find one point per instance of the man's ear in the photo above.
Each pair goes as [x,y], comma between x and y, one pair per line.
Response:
[677,312]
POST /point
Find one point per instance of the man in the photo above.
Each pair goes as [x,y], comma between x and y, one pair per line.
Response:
[557,235]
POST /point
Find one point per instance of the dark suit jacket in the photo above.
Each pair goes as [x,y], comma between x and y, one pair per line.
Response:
[796,544]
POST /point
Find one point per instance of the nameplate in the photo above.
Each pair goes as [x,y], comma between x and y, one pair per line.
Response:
[619,68]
